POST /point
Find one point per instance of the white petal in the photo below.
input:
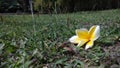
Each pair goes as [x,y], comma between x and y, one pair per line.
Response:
[96,33]
[74,39]
[89,45]
[82,42]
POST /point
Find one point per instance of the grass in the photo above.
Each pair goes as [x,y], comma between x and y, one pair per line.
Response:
[23,47]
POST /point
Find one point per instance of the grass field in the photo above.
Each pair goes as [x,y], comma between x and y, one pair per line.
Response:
[25,43]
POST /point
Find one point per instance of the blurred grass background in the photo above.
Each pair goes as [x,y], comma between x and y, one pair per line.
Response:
[24,47]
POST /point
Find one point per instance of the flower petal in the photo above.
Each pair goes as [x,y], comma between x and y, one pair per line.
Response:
[94,32]
[74,39]
[82,33]
[82,42]
[92,29]
[89,45]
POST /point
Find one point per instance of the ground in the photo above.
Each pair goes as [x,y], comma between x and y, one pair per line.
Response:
[43,42]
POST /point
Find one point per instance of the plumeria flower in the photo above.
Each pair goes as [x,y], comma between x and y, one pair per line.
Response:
[83,36]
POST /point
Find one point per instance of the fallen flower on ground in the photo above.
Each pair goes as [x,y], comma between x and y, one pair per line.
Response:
[83,36]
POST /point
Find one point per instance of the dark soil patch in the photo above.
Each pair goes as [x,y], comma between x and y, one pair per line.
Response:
[112,57]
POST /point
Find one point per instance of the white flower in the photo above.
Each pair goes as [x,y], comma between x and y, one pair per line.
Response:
[83,36]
